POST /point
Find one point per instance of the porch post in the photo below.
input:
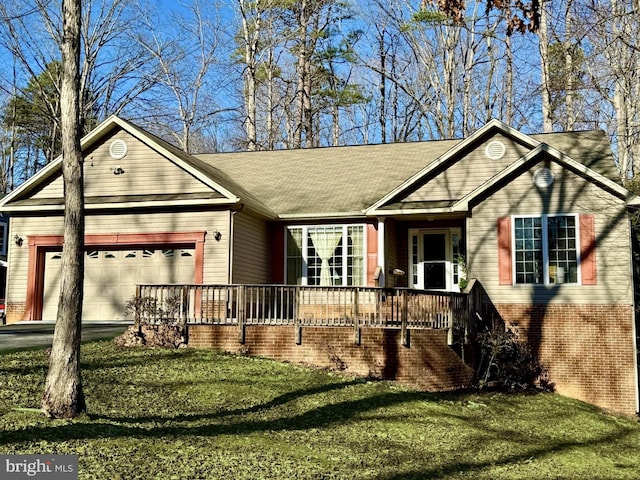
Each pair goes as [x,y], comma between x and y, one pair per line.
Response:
[357,333]
[404,306]
[240,299]
[381,253]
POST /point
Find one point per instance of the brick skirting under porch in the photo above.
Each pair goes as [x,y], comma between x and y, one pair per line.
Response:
[427,363]
[588,349]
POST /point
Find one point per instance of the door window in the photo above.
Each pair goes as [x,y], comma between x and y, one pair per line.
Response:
[435,260]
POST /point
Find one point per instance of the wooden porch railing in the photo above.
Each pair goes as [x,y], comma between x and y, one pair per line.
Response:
[355,307]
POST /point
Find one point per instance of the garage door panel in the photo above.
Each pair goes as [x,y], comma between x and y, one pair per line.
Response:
[111,277]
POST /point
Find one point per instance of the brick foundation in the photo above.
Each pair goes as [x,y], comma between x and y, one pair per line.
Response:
[427,363]
[588,349]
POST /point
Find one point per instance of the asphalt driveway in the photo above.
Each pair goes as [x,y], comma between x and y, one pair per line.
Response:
[40,334]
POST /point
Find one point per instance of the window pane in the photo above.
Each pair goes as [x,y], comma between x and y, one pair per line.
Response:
[355,257]
[324,243]
[528,250]
[435,276]
[336,264]
[414,258]
[563,264]
[294,256]
[435,246]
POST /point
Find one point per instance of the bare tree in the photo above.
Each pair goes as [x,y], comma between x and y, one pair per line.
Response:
[112,69]
[186,60]
[63,395]
[251,16]
[613,73]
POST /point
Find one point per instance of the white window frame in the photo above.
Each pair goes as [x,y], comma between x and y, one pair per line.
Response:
[305,251]
[545,248]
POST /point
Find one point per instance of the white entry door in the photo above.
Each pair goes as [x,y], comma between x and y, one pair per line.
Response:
[435,255]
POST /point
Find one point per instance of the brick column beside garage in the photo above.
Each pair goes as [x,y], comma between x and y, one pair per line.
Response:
[427,363]
[15,311]
[588,349]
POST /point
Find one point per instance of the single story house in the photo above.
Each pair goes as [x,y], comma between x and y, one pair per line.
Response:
[540,221]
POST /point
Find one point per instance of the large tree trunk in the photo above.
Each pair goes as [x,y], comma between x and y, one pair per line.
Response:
[250,34]
[568,66]
[63,396]
[382,116]
[543,38]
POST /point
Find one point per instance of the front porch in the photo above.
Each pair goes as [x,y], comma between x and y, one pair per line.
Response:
[403,309]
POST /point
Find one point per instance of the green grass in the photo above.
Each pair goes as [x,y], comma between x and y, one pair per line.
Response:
[199,414]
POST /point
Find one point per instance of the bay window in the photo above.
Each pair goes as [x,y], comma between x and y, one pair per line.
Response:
[325,255]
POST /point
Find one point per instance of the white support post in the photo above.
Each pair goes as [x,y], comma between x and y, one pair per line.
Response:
[381,253]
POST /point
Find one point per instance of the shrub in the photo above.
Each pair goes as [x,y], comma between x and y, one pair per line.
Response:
[152,310]
[508,363]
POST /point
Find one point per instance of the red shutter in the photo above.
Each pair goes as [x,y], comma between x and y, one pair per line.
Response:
[276,252]
[505,266]
[588,249]
[372,254]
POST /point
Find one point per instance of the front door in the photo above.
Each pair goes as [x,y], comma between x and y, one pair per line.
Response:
[435,255]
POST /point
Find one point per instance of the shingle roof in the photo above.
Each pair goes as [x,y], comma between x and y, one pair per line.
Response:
[329,180]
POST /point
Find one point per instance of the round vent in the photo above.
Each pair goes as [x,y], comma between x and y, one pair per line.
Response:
[118,149]
[543,178]
[495,150]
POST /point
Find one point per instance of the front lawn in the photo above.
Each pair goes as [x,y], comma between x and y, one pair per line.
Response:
[198,414]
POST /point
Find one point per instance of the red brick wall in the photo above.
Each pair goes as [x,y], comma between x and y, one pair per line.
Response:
[588,349]
[428,363]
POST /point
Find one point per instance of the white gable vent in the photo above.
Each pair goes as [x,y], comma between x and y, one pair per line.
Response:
[495,150]
[543,178]
[118,149]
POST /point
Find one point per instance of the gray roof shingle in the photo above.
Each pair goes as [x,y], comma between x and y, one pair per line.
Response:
[328,180]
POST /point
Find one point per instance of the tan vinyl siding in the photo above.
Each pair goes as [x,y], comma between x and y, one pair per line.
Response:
[250,249]
[471,171]
[215,253]
[570,194]
[145,173]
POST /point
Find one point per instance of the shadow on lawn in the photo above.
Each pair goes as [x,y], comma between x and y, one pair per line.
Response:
[457,468]
[235,422]
[277,401]
[487,431]
[326,415]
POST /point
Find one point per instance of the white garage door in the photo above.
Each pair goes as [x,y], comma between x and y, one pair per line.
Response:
[111,277]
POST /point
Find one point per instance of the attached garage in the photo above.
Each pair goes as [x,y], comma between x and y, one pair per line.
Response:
[152,213]
[111,277]
[114,265]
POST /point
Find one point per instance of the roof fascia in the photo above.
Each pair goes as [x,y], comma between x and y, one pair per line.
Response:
[320,216]
[493,125]
[122,205]
[414,211]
